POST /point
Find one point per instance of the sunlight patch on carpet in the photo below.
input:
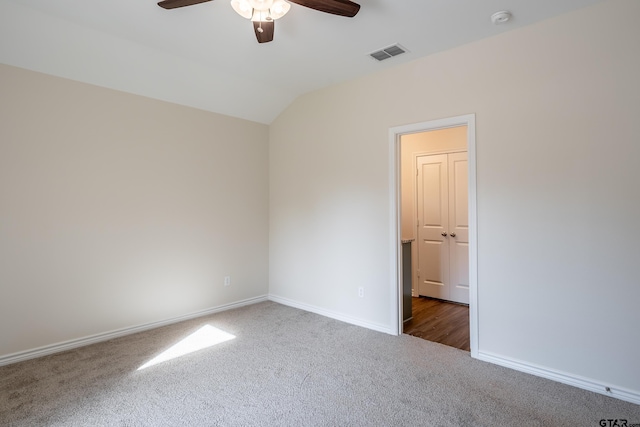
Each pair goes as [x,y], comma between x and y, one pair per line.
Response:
[205,337]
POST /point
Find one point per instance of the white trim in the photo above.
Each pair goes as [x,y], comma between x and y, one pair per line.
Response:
[434,152]
[562,377]
[473,238]
[331,314]
[105,336]
[468,120]
[395,267]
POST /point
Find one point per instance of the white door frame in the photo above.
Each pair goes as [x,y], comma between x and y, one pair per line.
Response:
[394,190]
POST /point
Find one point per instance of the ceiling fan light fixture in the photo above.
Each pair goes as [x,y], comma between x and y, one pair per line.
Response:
[279,8]
[261,10]
[261,16]
[242,8]
[261,4]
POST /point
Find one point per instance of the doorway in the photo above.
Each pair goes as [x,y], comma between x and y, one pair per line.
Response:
[400,221]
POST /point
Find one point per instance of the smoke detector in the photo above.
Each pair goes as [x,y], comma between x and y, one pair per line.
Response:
[501,17]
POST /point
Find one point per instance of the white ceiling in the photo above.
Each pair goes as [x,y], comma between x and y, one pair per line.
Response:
[206,56]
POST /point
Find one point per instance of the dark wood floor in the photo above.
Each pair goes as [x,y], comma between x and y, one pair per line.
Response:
[439,321]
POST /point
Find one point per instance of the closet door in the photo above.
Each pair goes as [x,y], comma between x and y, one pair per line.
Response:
[443,242]
[458,228]
[433,225]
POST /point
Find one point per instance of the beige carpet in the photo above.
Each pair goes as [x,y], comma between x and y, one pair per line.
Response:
[287,367]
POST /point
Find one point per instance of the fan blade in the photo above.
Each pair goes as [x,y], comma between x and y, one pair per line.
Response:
[267,27]
[172,4]
[337,7]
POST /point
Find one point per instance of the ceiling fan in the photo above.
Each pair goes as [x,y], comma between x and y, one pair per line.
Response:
[263,13]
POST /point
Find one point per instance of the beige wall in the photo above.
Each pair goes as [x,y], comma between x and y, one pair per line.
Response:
[556,107]
[117,210]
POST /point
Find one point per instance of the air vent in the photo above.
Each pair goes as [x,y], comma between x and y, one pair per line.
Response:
[388,52]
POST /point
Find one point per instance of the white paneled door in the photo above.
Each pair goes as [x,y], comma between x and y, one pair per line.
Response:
[443,227]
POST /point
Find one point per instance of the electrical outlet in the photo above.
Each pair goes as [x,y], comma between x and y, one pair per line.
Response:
[227,280]
[361,292]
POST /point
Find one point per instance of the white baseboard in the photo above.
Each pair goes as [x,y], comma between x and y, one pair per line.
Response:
[331,314]
[563,377]
[92,339]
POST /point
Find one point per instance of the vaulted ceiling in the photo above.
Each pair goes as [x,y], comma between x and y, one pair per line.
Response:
[206,56]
